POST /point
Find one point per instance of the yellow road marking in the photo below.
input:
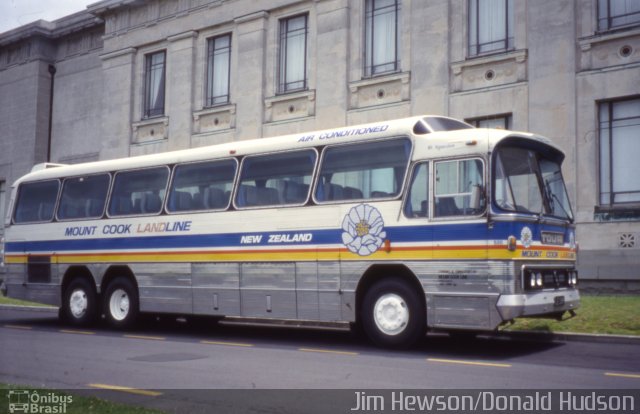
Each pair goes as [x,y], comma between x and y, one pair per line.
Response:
[18,327]
[327,351]
[152,338]
[481,364]
[615,374]
[126,389]
[225,343]
[73,331]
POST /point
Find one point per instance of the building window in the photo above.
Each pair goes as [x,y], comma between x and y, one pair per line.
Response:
[493,121]
[218,70]
[490,26]
[381,37]
[154,84]
[619,152]
[613,14]
[292,69]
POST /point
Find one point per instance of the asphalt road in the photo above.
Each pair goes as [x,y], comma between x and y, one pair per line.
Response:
[161,363]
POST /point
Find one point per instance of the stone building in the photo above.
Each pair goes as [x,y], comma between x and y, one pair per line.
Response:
[130,77]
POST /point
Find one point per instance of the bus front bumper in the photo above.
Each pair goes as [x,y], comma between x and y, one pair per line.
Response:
[546,302]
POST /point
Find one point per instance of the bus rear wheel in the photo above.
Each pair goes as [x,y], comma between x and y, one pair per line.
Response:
[79,303]
[392,314]
[121,305]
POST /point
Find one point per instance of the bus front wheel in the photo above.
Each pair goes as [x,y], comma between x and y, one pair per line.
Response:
[120,305]
[79,303]
[392,314]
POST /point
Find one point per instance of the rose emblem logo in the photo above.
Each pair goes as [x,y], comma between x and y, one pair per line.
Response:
[363,230]
[526,237]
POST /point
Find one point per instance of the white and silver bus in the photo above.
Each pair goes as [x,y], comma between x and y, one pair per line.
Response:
[396,227]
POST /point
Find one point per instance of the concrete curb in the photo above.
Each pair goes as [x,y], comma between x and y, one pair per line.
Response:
[571,337]
[514,335]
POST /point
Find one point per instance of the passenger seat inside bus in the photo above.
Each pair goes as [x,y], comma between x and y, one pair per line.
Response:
[180,201]
[151,203]
[446,206]
[214,198]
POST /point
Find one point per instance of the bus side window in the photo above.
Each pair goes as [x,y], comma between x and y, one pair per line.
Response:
[138,192]
[36,201]
[202,186]
[83,197]
[276,179]
[455,182]
[417,203]
[363,171]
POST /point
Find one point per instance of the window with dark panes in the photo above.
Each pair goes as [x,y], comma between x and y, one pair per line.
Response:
[138,192]
[83,197]
[495,122]
[615,14]
[36,201]
[202,186]
[381,37]
[490,26]
[292,68]
[276,179]
[218,70]
[619,127]
[154,84]
[372,170]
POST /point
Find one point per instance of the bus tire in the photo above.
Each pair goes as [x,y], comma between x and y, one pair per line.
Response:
[392,314]
[121,304]
[79,303]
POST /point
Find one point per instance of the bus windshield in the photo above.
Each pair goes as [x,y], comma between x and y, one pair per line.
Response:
[528,182]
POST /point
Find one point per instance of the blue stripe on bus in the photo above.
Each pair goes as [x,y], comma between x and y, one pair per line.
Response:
[406,234]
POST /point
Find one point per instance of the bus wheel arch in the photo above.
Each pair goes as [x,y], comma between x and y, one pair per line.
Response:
[120,297]
[391,306]
[80,300]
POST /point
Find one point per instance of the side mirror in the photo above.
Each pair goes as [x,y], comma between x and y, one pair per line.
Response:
[476,201]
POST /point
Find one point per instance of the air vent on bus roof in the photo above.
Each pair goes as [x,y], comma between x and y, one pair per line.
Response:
[430,124]
[45,165]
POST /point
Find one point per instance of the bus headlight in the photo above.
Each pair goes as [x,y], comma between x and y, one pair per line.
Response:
[532,281]
[573,278]
[539,279]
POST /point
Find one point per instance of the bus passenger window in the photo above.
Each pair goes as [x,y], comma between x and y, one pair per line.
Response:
[417,204]
[36,202]
[202,186]
[83,197]
[276,179]
[138,192]
[373,170]
[456,183]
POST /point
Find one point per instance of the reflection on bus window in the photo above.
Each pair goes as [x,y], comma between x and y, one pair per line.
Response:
[83,197]
[202,186]
[138,192]
[517,187]
[276,179]
[36,201]
[363,171]
[456,183]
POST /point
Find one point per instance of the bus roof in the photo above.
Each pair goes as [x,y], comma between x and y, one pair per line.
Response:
[437,128]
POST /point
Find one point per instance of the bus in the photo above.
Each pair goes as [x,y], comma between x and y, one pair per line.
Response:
[396,227]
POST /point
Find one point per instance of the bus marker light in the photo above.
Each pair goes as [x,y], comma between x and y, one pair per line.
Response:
[387,246]
[512,243]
